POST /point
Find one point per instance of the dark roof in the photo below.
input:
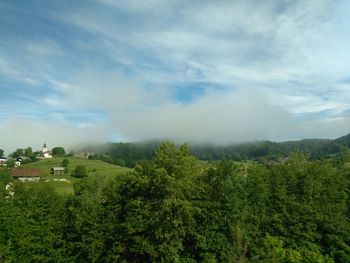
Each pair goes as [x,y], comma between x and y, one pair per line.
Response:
[24,157]
[28,172]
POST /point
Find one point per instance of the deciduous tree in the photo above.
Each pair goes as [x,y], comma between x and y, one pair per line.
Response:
[58,151]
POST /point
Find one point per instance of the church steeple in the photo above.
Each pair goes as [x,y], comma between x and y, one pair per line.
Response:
[45,152]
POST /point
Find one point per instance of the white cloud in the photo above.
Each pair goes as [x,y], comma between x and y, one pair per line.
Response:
[21,133]
[52,101]
[217,116]
[280,63]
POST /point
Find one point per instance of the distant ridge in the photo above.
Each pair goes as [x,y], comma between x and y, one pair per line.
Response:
[344,140]
[130,153]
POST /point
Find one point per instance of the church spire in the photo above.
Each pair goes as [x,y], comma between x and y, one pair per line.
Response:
[45,152]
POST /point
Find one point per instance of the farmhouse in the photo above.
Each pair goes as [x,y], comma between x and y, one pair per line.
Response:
[28,174]
[3,161]
[57,170]
[17,163]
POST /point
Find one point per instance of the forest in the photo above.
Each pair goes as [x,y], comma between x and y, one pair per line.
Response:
[175,208]
[128,154]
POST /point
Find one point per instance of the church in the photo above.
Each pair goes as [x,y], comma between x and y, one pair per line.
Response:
[45,153]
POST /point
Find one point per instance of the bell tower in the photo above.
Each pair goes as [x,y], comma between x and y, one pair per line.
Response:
[45,148]
[45,152]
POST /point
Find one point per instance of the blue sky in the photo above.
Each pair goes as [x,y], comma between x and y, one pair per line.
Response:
[196,71]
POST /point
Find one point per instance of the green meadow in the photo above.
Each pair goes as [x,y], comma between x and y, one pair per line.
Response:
[94,168]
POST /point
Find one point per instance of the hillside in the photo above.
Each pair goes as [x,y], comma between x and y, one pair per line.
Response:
[93,167]
[344,140]
[130,153]
[176,209]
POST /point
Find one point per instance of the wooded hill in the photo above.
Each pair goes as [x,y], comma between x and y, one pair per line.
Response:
[127,154]
[171,209]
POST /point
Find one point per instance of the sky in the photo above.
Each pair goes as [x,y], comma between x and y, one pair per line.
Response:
[201,71]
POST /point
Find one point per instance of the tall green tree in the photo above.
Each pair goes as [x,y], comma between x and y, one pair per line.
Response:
[65,162]
[58,151]
[89,224]
[28,152]
[17,153]
[34,225]
[79,171]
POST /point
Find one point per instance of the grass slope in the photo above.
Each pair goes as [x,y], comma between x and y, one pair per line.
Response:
[94,168]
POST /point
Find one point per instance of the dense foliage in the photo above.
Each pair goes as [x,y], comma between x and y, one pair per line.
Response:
[128,154]
[79,171]
[27,153]
[58,151]
[65,162]
[174,209]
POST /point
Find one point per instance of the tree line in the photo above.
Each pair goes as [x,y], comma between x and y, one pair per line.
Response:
[173,209]
[128,154]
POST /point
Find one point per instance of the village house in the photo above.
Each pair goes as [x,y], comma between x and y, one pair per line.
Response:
[28,174]
[57,170]
[3,161]
[17,162]
[23,159]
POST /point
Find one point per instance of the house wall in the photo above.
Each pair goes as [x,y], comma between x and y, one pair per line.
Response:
[57,172]
[28,179]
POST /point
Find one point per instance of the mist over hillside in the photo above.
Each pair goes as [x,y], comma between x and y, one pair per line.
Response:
[147,70]
[263,151]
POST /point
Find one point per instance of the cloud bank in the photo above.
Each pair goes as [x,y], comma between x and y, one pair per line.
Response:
[21,133]
[194,71]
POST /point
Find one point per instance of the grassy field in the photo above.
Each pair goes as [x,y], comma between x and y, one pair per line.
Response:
[94,168]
